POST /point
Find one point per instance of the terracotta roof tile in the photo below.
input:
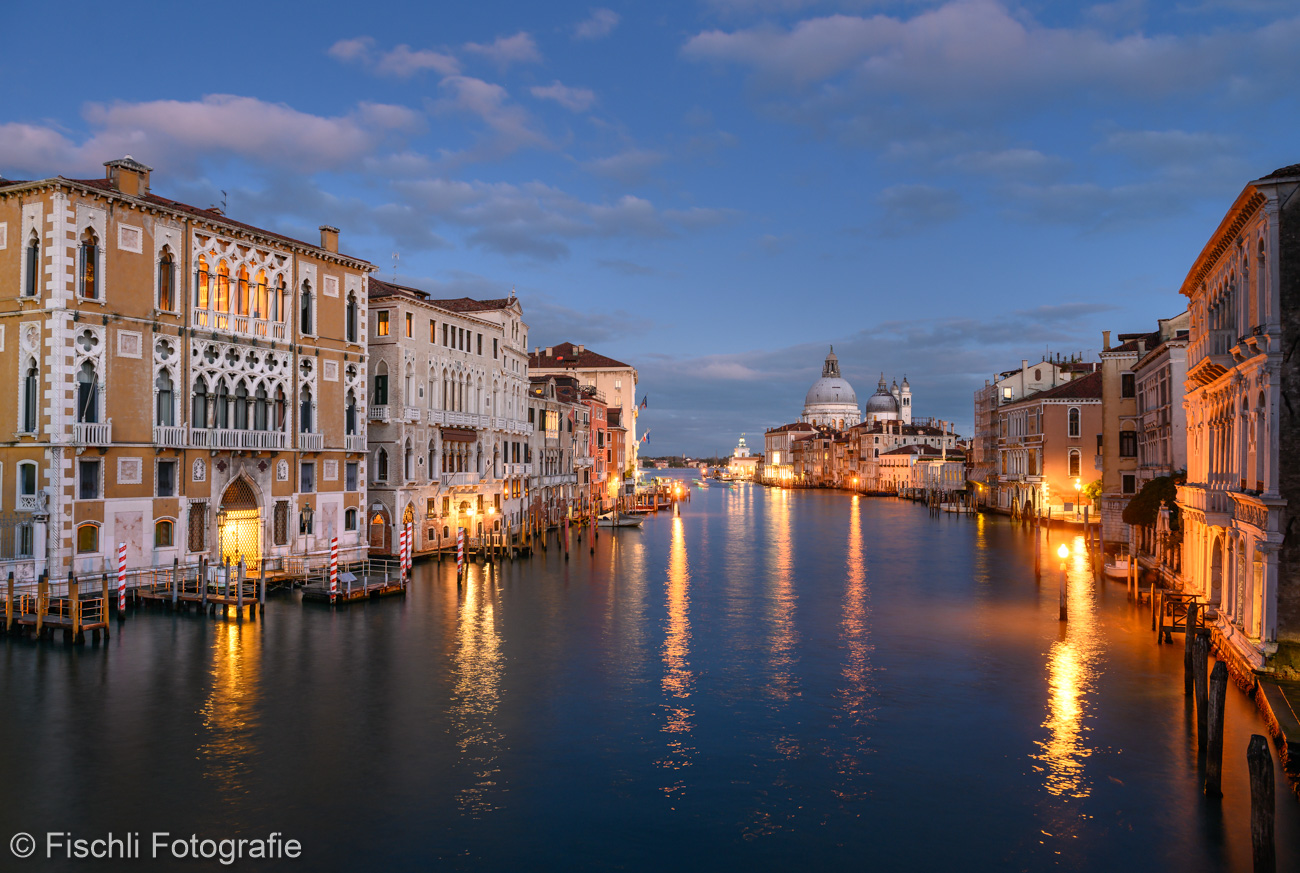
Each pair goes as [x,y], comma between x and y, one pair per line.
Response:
[566,355]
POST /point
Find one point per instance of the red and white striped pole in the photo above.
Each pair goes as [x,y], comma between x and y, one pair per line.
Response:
[401,552]
[334,567]
[121,577]
[410,547]
[460,550]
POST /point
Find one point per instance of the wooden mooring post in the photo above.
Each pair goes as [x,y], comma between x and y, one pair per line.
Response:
[1262,810]
[74,605]
[1200,669]
[261,586]
[9,604]
[1188,640]
[104,592]
[1214,743]
[42,598]
[239,591]
[175,581]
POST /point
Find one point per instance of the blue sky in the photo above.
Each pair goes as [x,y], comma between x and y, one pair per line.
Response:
[715,190]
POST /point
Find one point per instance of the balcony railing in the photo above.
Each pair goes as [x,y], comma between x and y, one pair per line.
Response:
[87,433]
[169,436]
[378,413]
[514,470]
[246,325]
[311,442]
[354,442]
[452,480]
[511,425]
[459,419]
[28,503]
[233,438]
[411,413]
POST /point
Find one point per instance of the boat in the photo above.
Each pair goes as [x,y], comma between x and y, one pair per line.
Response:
[951,507]
[616,519]
[1117,569]
[701,483]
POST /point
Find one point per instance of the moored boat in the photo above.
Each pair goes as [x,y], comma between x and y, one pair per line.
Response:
[618,519]
[1117,569]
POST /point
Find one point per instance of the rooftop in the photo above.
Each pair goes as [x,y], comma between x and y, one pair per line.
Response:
[568,355]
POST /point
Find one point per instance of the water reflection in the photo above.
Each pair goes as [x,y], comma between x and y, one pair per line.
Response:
[678,682]
[1072,667]
[232,708]
[855,691]
[783,684]
[476,696]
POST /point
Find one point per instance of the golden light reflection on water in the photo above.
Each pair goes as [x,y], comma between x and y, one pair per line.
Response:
[783,684]
[231,709]
[1072,666]
[855,694]
[678,681]
[476,696]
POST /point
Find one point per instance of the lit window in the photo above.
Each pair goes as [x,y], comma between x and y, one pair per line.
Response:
[381,325]
[87,538]
[162,534]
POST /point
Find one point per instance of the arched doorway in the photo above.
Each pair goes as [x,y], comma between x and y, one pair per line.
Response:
[239,524]
[1216,570]
[381,534]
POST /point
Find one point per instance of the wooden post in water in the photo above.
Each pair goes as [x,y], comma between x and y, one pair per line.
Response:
[1189,639]
[261,586]
[176,580]
[104,591]
[74,597]
[9,604]
[239,591]
[1214,744]
[42,597]
[1262,810]
[1038,554]
[203,584]
[1200,667]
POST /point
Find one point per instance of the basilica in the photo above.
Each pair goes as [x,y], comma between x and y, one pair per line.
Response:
[831,401]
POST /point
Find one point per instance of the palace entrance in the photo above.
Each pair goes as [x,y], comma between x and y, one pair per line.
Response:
[239,524]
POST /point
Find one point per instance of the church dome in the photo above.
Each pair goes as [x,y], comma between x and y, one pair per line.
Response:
[831,401]
[882,402]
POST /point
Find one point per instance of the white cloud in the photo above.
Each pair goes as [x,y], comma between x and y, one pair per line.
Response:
[401,61]
[491,103]
[598,25]
[629,167]
[911,208]
[507,50]
[573,99]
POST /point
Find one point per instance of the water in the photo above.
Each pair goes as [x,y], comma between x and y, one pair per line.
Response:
[774,681]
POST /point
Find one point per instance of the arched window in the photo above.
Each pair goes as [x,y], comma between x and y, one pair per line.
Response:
[304,412]
[408,463]
[87,394]
[305,325]
[352,318]
[30,392]
[350,519]
[199,412]
[223,287]
[221,417]
[433,455]
[260,408]
[241,406]
[32,282]
[381,384]
[87,538]
[163,534]
[1263,441]
[281,289]
[1075,427]
[381,465]
[1261,284]
[350,414]
[243,303]
[26,481]
[88,267]
[167,281]
[165,407]
[1075,469]
[281,409]
[259,300]
[202,284]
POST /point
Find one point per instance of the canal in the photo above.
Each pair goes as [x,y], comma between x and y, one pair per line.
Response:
[773,681]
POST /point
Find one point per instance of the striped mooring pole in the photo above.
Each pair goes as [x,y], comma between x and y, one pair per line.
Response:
[334,568]
[121,577]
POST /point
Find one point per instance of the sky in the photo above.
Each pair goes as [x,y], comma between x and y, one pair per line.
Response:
[713,191]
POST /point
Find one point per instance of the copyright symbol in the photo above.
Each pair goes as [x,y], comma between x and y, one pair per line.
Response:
[22,845]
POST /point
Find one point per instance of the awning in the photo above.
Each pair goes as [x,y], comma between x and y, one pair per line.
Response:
[451,434]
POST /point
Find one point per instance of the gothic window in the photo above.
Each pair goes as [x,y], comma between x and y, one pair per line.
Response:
[30,391]
[305,324]
[304,412]
[87,394]
[221,417]
[381,465]
[351,320]
[223,287]
[350,414]
[1074,418]
[165,410]
[88,266]
[167,281]
[281,290]
[259,408]
[381,384]
[199,413]
[33,267]
[259,298]
[201,284]
[408,463]
[281,407]
[242,301]
[241,406]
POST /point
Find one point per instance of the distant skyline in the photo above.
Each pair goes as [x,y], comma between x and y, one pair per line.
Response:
[714,191]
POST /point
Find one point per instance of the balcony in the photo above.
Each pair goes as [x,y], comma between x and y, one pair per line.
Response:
[511,425]
[244,325]
[1212,357]
[378,413]
[446,418]
[311,442]
[88,433]
[29,503]
[460,480]
[516,470]
[411,413]
[169,436]
[354,442]
[232,438]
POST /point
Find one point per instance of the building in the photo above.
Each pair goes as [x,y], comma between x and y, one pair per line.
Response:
[182,381]
[614,379]
[1162,420]
[778,452]
[593,477]
[447,416]
[1243,295]
[1042,441]
[831,401]
[1116,456]
[877,439]
[553,407]
[743,463]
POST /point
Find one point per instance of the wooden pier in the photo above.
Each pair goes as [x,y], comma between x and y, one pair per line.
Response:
[41,611]
[205,589]
[357,581]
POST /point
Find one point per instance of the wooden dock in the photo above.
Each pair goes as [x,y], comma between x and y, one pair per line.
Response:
[357,581]
[205,589]
[40,611]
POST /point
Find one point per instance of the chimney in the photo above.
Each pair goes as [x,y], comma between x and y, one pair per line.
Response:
[1105,340]
[128,176]
[1142,347]
[550,351]
[329,238]
[581,349]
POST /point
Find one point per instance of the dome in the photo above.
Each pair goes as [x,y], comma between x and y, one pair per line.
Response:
[831,401]
[882,401]
[830,389]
